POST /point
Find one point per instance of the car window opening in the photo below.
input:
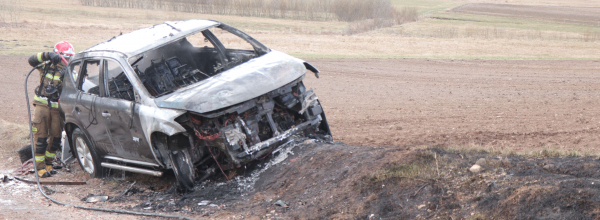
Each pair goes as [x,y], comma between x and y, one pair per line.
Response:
[118,85]
[91,78]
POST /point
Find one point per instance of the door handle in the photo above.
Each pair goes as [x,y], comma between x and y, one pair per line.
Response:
[105,114]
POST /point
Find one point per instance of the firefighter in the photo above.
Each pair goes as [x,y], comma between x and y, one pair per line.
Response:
[47,123]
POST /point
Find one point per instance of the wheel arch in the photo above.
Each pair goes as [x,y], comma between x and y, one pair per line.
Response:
[163,143]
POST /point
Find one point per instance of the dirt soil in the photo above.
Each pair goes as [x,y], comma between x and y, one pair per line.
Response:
[576,15]
[520,106]
[396,125]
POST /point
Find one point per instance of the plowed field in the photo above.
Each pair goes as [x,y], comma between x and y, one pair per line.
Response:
[519,106]
[577,15]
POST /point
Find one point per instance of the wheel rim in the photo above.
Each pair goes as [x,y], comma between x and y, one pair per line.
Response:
[84,155]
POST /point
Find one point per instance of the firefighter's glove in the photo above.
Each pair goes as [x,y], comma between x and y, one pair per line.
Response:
[54,58]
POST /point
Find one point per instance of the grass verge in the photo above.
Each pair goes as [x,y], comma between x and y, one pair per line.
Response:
[425,166]
[12,137]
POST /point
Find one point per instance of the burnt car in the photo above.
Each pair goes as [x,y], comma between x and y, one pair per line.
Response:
[194,96]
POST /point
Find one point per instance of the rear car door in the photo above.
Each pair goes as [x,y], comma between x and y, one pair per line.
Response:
[89,86]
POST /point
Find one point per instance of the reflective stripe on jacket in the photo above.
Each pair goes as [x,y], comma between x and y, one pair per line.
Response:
[44,101]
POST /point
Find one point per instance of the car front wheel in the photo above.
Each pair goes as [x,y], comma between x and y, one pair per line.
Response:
[183,168]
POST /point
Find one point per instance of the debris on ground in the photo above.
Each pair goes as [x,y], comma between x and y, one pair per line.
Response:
[48,190]
[128,191]
[475,168]
[203,203]
[481,162]
[282,203]
[51,182]
[24,153]
[25,168]
[94,198]
[5,178]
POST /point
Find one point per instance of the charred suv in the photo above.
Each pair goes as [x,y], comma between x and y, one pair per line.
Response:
[195,96]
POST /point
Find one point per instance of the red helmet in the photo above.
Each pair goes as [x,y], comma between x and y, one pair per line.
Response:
[65,49]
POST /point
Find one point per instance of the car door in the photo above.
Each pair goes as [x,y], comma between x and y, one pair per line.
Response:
[86,104]
[118,114]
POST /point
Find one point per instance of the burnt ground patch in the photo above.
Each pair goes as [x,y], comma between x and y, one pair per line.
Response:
[335,180]
[338,181]
[316,180]
[511,187]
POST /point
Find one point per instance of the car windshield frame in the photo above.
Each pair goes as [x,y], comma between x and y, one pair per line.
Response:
[225,60]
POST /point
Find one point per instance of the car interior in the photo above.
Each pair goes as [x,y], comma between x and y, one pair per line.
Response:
[180,63]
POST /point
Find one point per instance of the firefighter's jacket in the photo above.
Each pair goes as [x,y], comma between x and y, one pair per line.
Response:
[51,75]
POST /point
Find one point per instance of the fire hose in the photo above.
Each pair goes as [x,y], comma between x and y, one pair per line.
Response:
[37,178]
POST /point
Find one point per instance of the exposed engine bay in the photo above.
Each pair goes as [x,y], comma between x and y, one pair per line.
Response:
[240,134]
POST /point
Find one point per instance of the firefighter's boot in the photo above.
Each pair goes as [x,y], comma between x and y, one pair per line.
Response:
[51,154]
[50,170]
[43,173]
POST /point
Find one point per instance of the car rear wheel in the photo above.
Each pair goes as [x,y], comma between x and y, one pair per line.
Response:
[86,154]
[183,168]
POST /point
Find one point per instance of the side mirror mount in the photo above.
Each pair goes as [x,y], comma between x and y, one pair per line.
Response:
[312,69]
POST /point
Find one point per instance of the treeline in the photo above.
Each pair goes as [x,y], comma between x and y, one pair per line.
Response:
[319,10]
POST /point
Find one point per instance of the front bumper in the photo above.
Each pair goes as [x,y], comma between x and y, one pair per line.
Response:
[260,149]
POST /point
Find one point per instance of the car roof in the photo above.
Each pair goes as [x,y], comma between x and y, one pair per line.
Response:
[142,40]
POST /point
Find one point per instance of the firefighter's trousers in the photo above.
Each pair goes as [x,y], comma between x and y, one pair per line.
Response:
[47,128]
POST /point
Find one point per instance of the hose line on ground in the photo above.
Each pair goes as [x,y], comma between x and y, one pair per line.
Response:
[37,178]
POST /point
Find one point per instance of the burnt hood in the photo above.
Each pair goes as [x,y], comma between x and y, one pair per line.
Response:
[241,83]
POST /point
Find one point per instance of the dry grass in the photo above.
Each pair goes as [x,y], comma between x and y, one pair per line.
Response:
[12,137]
[425,167]
[497,27]
[10,13]
[572,3]
[546,151]
[367,15]
[427,162]
[320,10]
[309,44]
[43,23]
[494,33]
[406,15]
[590,36]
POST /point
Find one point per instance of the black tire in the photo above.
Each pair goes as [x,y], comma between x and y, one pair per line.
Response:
[183,168]
[25,153]
[86,154]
